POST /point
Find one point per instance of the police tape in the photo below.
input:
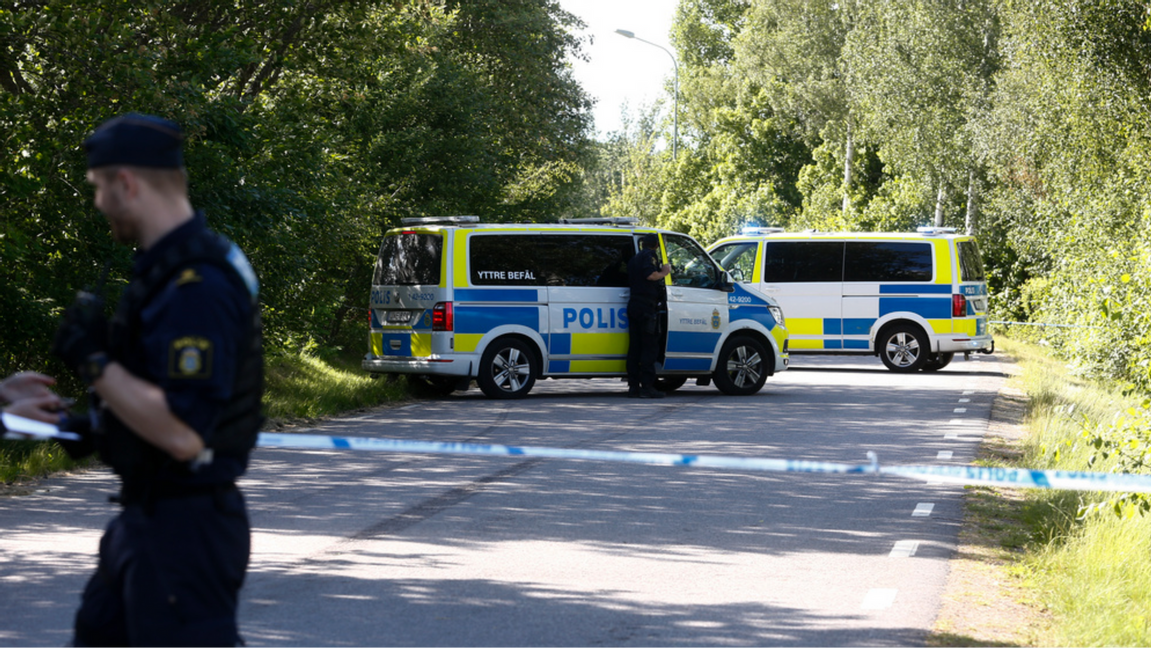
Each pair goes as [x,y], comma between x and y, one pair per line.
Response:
[966,475]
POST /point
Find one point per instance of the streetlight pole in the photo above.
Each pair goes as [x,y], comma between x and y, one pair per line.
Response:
[675,113]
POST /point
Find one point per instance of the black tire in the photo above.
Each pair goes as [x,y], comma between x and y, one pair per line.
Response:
[937,361]
[508,369]
[668,384]
[742,367]
[904,348]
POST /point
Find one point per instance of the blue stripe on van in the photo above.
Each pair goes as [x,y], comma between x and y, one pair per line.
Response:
[481,319]
[912,289]
[687,364]
[832,344]
[832,326]
[691,342]
[559,366]
[861,326]
[926,307]
[560,344]
[497,295]
[754,313]
[855,344]
[405,349]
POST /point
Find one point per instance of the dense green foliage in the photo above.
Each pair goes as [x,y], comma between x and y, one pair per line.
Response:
[1028,123]
[311,128]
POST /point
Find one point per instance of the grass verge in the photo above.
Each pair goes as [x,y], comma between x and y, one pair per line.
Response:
[1081,581]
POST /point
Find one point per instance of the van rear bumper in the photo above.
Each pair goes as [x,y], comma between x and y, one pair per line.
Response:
[430,366]
[951,344]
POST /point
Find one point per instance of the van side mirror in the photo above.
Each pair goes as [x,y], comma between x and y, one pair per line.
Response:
[726,284]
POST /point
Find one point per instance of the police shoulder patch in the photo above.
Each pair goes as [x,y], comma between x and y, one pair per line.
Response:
[190,357]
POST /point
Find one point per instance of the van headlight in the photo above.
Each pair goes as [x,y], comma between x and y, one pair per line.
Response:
[777,313]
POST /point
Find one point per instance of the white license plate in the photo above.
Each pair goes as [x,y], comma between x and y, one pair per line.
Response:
[399,317]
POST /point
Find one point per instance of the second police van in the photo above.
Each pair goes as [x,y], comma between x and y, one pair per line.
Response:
[507,304]
[915,300]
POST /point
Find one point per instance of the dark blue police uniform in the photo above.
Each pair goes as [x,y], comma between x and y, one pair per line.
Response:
[647,300]
[172,563]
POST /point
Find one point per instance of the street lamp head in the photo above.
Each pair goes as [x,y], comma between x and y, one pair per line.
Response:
[625,33]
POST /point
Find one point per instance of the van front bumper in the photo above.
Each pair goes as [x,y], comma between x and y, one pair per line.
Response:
[429,366]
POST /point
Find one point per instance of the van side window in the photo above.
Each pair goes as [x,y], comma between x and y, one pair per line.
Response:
[690,265]
[576,259]
[587,259]
[802,261]
[738,259]
[888,261]
[409,260]
[505,260]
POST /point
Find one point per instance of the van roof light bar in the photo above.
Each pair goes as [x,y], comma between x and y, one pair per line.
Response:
[935,230]
[441,220]
[755,230]
[624,221]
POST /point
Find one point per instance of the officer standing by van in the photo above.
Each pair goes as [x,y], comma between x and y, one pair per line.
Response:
[176,378]
[648,297]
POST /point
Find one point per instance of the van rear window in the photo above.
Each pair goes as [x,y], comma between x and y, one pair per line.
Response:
[887,261]
[970,262]
[409,259]
[802,261]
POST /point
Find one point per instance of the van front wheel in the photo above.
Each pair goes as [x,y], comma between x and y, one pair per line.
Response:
[742,367]
[507,369]
[904,348]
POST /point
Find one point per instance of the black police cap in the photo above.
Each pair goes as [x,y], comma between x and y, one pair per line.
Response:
[136,140]
[649,241]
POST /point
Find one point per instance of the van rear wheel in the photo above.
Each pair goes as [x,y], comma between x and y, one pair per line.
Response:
[742,367]
[904,348]
[508,369]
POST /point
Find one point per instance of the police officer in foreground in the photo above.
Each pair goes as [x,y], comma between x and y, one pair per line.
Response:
[176,380]
[648,297]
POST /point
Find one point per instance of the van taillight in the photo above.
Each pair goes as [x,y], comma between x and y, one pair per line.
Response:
[442,317]
[958,306]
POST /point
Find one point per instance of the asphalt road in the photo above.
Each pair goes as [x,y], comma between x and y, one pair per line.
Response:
[354,549]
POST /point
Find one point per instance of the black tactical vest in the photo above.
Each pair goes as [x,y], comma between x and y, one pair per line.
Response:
[240,422]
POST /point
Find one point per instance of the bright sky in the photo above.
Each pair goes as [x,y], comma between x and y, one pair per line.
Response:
[623,70]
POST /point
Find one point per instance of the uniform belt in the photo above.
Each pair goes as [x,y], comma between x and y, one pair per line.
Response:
[152,491]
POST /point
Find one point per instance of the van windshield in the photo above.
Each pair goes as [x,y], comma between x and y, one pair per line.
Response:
[970,263]
[409,259]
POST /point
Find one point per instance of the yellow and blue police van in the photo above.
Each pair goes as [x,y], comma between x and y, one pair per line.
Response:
[507,304]
[913,299]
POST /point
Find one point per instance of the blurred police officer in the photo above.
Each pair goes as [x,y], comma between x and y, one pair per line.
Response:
[177,376]
[648,297]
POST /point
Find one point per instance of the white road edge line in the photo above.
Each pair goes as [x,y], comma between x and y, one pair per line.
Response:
[904,549]
[879,599]
[923,509]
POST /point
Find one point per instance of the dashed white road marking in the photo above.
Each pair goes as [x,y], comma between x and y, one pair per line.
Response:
[951,435]
[956,422]
[964,400]
[945,454]
[969,392]
[923,509]
[879,599]
[960,410]
[904,549]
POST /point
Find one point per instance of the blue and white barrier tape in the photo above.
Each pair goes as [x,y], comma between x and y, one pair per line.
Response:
[968,475]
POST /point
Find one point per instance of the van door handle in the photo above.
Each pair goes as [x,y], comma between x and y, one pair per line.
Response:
[771,289]
[676,293]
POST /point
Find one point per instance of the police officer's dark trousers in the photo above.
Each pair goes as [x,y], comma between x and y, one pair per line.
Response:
[170,571]
[643,343]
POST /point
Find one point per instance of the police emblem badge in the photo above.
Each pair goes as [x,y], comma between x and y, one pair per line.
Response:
[715,319]
[190,357]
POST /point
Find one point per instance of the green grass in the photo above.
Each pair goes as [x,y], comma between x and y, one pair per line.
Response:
[1092,574]
[304,386]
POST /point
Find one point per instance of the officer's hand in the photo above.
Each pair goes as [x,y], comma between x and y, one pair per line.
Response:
[26,384]
[82,339]
[44,408]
